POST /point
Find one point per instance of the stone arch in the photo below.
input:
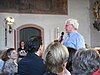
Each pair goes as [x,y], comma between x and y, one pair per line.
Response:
[27,26]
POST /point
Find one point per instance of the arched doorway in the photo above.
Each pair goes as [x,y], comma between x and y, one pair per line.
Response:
[24,32]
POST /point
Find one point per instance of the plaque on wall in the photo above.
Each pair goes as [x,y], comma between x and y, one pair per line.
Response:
[34,6]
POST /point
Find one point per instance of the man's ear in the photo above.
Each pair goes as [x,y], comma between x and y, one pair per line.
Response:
[41,47]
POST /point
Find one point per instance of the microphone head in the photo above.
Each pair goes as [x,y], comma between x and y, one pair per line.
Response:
[62,33]
[61,37]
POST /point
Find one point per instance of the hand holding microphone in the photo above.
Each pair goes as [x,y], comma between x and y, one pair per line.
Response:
[61,37]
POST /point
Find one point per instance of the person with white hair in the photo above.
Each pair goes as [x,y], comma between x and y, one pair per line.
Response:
[73,39]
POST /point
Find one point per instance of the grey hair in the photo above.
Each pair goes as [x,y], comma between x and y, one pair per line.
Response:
[74,22]
[85,62]
[56,55]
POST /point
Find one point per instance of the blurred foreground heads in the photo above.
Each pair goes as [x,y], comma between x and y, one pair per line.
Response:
[86,62]
[56,56]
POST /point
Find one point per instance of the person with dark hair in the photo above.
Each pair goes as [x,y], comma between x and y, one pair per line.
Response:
[22,50]
[86,62]
[32,63]
[10,57]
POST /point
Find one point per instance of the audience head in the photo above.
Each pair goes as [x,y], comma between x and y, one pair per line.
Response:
[22,43]
[86,62]
[71,24]
[34,43]
[11,53]
[56,56]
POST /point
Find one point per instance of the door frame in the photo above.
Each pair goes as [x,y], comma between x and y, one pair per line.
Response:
[26,26]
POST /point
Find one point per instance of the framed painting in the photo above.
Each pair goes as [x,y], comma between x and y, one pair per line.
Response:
[34,6]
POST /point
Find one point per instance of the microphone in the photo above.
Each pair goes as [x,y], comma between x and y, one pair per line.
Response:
[61,37]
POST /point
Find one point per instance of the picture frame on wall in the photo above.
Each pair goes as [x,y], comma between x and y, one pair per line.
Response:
[35,6]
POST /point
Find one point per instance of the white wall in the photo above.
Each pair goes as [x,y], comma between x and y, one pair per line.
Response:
[78,9]
[95,35]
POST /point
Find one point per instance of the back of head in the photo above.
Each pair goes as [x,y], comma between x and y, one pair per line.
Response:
[34,43]
[86,62]
[56,55]
[74,22]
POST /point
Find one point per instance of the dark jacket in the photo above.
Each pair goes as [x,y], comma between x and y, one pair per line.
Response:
[31,65]
[49,73]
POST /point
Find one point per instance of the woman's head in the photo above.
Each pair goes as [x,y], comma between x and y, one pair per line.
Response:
[11,53]
[22,44]
[56,55]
